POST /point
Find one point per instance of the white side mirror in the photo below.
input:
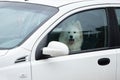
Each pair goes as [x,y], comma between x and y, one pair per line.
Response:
[55,48]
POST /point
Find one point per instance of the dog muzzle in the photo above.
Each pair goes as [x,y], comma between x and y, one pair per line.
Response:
[71,41]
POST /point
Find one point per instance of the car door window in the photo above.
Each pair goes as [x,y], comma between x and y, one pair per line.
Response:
[118,16]
[82,31]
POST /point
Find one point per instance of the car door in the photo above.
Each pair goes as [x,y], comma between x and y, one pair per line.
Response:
[92,61]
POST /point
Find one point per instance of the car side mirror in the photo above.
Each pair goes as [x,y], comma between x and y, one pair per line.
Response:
[55,48]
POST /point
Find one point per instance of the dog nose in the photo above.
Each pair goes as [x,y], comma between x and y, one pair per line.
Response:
[71,37]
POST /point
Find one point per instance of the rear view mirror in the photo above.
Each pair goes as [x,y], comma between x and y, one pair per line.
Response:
[55,48]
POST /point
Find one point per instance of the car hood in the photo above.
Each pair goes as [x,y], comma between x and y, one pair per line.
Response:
[3,52]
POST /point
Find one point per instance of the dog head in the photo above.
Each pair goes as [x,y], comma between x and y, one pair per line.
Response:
[72,33]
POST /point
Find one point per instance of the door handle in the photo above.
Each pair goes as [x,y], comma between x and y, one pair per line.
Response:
[103,61]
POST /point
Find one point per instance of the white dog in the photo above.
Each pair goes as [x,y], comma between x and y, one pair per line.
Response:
[72,35]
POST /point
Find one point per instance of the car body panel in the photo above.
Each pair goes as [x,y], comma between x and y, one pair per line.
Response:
[118,64]
[60,3]
[11,70]
[75,67]
[3,52]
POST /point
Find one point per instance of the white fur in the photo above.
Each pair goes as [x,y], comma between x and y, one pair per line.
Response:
[73,29]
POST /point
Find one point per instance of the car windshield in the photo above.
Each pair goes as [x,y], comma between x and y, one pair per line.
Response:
[19,20]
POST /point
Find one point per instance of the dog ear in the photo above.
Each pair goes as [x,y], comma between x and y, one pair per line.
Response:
[80,28]
[78,25]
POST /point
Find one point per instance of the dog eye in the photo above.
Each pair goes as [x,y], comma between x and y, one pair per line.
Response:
[74,32]
[68,32]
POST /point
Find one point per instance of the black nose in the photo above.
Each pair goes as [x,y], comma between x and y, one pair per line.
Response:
[71,37]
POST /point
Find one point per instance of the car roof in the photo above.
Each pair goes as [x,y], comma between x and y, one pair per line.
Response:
[55,3]
[59,3]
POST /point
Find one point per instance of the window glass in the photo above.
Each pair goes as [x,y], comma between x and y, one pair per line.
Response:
[18,20]
[118,15]
[82,31]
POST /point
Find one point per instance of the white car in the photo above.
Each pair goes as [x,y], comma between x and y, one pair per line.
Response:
[37,37]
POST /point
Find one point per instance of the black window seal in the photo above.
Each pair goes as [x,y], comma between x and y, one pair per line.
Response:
[114,33]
